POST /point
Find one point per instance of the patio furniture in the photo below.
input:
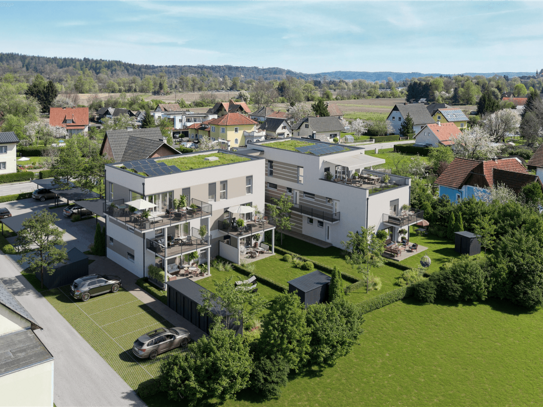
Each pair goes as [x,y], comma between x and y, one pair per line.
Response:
[172,268]
[265,247]
[414,247]
[249,281]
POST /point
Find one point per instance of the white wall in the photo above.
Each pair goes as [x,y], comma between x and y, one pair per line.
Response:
[426,136]
[229,253]
[28,387]
[131,240]
[393,119]
[10,158]
[539,173]
[379,204]
[11,321]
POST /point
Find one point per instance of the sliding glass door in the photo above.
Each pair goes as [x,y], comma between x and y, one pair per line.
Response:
[162,201]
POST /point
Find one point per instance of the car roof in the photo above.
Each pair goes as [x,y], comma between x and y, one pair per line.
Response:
[4,210]
[153,334]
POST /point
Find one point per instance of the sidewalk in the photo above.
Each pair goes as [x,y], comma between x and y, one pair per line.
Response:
[103,265]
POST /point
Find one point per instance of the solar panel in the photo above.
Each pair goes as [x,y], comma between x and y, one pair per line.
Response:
[138,168]
[151,173]
[162,164]
[175,170]
[158,171]
[129,165]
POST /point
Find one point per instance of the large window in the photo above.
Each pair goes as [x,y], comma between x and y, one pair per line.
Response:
[2,165]
[270,168]
[186,192]
[213,129]
[300,175]
[249,185]
[111,195]
[309,195]
[135,195]
[3,149]
[272,186]
[224,190]
[162,201]
[130,256]
[212,192]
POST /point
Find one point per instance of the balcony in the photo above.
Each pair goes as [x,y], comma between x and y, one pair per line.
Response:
[404,219]
[373,181]
[156,220]
[328,216]
[177,245]
[250,227]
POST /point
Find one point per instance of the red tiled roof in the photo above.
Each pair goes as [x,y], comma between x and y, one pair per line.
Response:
[194,126]
[516,101]
[537,158]
[243,106]
[514,180]
[169,107]
[59,115]
[444,132]
[278,115]
[231,119]
[476,172]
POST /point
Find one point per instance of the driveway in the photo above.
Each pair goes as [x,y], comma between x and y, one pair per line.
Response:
[82,377]
[19,187]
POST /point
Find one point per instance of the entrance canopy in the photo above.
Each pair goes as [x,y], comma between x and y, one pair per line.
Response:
[241,209]
[140,204]
[355,162]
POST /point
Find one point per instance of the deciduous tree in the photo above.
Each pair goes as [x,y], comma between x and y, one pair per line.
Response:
[280,214]
[501,123]
[475,143]
[298,112]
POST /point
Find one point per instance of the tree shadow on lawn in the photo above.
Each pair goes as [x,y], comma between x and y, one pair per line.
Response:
[496,304]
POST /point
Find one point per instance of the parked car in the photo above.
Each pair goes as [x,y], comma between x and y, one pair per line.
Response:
[89,286]
[161,340]
[42,194]
[5,213]
[75,209]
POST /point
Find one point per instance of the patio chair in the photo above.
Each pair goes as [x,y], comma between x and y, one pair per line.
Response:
[415,247]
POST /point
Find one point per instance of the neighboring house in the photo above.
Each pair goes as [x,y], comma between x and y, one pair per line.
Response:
[334,110]
[437,133]
[417,111]
[433,107]
[183,119]
[220,186]
[536,162]
[111,112]
[254,136]
[318,128]
[327,210]
[261,114]
[276,128]
[135,144]
[517,101]
[74,120]
[26,366]
[165,108]
[222,108]
[228,129]
[8,152]
[198,130]
[278,115]
[465,178]
[451,115]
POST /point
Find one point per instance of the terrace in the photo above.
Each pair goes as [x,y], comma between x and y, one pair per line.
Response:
[177,245]
[308,147]
[405,218]
[373,181]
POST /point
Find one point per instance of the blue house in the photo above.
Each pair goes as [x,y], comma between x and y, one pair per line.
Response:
[465,178]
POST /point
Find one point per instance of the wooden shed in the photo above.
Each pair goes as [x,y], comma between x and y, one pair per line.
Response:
[311,288]
[466,243]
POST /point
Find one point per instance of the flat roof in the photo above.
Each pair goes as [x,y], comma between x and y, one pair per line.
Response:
[21,350]
[311,281]
[191,290]
[313,147]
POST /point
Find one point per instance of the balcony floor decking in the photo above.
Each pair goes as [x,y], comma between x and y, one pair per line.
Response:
[176,249]
[405,254]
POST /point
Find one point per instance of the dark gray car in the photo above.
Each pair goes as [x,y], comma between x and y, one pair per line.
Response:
[161,340]
[42,194]
[89,286]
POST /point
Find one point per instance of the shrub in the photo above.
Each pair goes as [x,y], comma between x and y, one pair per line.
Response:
[308,266]
[76,217]
[16,176]
[425,291]
[411,150]
[336,140]
[156,273]
[35,151]
[382,139]
[382,234]
[46,174]
[375,283]
[410,277]
[148,388]
[16,197]
[8,249]
[287,258]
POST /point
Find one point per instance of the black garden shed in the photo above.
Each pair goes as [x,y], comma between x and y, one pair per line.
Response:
[184,296]
[76,266]
[466,243]
[311,288]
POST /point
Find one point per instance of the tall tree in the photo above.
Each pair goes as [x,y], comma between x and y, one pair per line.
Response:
[501,123]
[41,242]
[406,129]
[280,214]
[450,227]
[487,103]
[475,143]
[485,229]
[298,112]
[68,165]
[320,109]
[335,289]
[148,121]
[530,128]
[440,155]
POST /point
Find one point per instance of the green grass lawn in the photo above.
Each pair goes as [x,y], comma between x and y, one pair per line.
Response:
[365,116]
[362,105]
[387,154]
[199,161]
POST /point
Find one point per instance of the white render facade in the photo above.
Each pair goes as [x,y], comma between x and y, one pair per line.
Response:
[214,190]
[183,119]
[8,157]
[328,210]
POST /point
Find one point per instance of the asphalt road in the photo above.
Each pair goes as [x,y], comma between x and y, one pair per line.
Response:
[82,377]
[12,189]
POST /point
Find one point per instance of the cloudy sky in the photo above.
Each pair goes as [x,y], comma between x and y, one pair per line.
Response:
[306,36]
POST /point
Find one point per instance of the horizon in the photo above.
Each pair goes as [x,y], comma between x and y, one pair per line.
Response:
[311,38]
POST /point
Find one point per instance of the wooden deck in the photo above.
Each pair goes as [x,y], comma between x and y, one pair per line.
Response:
[405,254]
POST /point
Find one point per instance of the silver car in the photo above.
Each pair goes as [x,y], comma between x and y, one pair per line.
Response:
[161,340]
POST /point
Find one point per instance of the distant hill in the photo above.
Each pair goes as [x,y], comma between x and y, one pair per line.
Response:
[51,66]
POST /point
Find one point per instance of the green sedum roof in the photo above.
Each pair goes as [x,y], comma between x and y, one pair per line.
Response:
[195,162]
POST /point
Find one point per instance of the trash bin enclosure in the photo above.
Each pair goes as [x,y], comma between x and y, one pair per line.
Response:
[466,243]
[311,288]
[77,266]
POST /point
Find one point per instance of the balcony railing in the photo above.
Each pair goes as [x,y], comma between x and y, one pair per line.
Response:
[404,219]
[250,227]
[121,212]
[177,246]
[328,216]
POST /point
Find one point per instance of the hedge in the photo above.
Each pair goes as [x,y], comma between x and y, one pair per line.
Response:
[386,299]
[322,267]
[31,151]
[46,174]
[16,197]
[184,150]
[408,149]
[380,139]
[16,176]
[152,290]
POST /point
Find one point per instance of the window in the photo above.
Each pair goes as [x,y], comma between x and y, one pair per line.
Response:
[461,124]
[130,256]
[458,198]
[310,221]
[213,129]
[111,191]
[135,195]
[320,224]
[270,168]
[332,136]
[289,190]
[236,129]
[309,196]
[438,117]
[329,200]
[307,125]
[399,119]
[249,185]
[111,241]
[3,149]
[2,166]
[223,130]
[272,186]
[186,192]
[236,141]
[392,118]
[300,175]
[326,169]
[212,189]
[224,189]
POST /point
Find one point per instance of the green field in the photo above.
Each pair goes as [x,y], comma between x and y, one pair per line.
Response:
[365,116]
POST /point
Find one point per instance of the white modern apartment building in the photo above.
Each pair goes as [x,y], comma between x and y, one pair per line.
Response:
[182,119]
[8,152]
[328,201]
[220,187]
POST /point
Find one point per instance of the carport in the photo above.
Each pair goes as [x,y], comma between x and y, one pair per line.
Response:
[72,194]
[15,223]
[96,206]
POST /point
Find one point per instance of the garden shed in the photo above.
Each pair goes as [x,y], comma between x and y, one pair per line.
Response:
[349,138]
[184,296]
[311,288]
[76,266]
[466,243]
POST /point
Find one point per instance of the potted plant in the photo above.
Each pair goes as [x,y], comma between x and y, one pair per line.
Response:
[182,202]
[402,232]
[356,175]
[131,209]
[405,207]
[145,215]
[194,207]
[240,223]
[202,231]
[256,238]
[328,175]
[386,179]
[257,212]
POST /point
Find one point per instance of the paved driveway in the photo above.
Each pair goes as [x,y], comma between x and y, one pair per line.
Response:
[12,189]
[82,377]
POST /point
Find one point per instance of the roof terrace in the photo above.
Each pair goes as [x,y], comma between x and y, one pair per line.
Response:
[307,147]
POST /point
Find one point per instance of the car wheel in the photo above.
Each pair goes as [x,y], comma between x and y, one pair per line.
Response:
[153,355]
[115,288]
[184,343]
[42,199]
[85,297]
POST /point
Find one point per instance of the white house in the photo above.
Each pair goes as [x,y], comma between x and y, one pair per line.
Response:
[318,128]
[276,128]
[418,112]
[438,134]
[8,152]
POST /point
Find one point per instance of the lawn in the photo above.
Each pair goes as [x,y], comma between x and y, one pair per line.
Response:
[388,155]
[289,145]
[365,116]
[199,161]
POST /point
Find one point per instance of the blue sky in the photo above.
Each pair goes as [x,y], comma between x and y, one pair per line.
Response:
[305,36]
